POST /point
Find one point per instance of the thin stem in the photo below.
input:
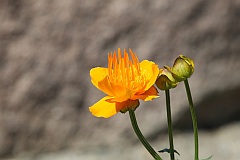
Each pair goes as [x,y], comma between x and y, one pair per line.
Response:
[141,137]
[194,118]
[169,119]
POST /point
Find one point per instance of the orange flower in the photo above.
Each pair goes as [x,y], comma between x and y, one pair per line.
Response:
[125,81]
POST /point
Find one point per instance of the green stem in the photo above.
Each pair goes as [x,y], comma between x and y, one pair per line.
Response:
[169,119]
[141,137]
[194,118]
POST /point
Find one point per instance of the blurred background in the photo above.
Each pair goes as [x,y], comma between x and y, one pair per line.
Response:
[48,47]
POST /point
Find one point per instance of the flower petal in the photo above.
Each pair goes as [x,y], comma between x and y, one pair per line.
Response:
[98,74]
[105,107]
[150,94]
[150,70]
[99,77]
[105,86]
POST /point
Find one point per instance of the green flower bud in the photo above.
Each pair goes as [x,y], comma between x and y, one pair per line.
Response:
[165,80]
[183,68]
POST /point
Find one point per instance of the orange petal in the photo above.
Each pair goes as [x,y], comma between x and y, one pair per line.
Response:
[150,94]
[98,74]
[122,94]
[100,80]
[150,70]
[105,108]
[106,86]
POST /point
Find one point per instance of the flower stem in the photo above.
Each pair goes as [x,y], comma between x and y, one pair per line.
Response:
[194,118]
[141,137]
[169,119]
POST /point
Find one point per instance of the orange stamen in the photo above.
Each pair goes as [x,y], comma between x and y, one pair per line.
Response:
[123,70]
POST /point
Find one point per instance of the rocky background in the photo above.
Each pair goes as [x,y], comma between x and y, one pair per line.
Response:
[48,47]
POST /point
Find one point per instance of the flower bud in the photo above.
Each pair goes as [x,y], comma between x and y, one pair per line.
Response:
[183,68]
[165,80]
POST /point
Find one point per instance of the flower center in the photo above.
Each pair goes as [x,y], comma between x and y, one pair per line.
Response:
[124,71]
